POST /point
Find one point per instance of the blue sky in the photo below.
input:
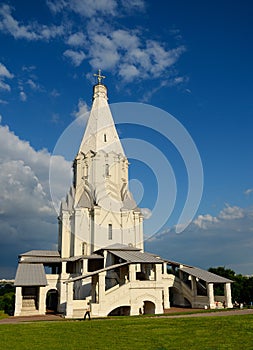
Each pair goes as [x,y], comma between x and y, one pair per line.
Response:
[192,59]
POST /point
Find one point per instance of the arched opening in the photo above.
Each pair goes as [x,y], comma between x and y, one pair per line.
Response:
[148,308]
[52,301]
[120,311]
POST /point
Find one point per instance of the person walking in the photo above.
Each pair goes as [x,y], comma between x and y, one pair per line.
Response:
[87,313]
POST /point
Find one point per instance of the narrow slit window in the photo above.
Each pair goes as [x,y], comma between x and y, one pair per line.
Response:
[105,138]
[107,170]
[110,231]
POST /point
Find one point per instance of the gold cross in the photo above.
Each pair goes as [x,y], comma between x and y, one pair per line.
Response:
[99,76]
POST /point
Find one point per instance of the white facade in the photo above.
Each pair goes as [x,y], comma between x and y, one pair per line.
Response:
[100,263]
[99,209]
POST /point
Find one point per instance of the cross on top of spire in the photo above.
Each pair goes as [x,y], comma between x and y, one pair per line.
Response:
[99,77]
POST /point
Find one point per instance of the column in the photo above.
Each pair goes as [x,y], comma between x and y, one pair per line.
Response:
[63,268]
[132,272]
[69,306]
[165,268]
[85,266]
[228,298]
[194,286]
[210,295]
[158,272]
[18,301]
[42,300]
[101,286]
[166,298]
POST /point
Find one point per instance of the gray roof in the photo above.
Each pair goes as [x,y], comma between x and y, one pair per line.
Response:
[136,256]
[204,275]
[30,275]
[118,246]
[92,256]
[41,253]
[41,259]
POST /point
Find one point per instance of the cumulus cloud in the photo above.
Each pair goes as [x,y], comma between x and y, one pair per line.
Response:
[76,39]
[4,74]
[222,240]
[146,212]
[76,57]
[27,216]
[248,191]
[130,54]
[87,8]
[22,96]
[82,111]
[30,31]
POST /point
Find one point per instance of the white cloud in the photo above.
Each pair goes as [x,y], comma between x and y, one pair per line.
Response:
[87,8]
[76,57]
[4,74]
[33,85]
[133,5]
[129,54]
[146,212]
[248,191]
[76,39]
[55,93]
[22,96]
[230,213]
[27,217]
[202,221]
[31,31]
[82,111]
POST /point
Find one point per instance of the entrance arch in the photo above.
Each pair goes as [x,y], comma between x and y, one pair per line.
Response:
[148,307]
[120,311]
[52,301]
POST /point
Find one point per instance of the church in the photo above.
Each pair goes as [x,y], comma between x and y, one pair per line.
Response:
[100,264]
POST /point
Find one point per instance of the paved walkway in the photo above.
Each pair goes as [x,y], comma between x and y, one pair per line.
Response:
[235,312]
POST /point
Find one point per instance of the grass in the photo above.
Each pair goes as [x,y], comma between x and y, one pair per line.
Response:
[3,315]
[228,332]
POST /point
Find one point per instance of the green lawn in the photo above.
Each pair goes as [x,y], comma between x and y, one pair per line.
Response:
[229,332]
[2,314]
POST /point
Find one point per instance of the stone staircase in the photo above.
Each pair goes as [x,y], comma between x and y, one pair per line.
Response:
[29,307]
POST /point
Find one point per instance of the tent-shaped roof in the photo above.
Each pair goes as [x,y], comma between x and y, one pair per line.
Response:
[30,275]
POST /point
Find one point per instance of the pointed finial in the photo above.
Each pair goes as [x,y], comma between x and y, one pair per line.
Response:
[99,76]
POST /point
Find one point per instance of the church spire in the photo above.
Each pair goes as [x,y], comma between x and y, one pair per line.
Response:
[101,133]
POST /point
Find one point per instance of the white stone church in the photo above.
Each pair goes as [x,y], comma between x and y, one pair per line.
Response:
[100,262]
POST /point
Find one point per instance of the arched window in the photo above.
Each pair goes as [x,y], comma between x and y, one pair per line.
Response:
[105,138]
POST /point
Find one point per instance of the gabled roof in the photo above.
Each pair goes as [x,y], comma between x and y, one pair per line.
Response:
[89,257]
[30,275]
[41,253]
[118,246]
[204,275]
[136,257]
